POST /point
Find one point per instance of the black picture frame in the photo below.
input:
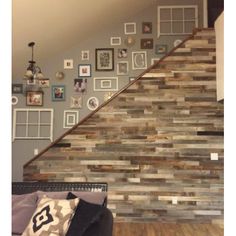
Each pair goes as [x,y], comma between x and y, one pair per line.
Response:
[104,59]
[17,88]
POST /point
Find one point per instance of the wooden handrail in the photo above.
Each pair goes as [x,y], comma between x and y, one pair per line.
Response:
[115,95]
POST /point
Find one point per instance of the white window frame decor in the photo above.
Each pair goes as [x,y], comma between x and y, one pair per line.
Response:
[68,64]
[115,41]
[85,55]
[26,123]
[101,80]
[68,114]
[129,25]
[119,69]
[143,56]
[171,21]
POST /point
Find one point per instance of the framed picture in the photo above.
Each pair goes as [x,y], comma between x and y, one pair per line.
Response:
[85,55]
[129,41]
[155,60]
[146,43]
[122,68]
[147,27]
[58,92]
[17,88]
[105,84]
[139,60]
[68,64]
[80,85]
[70,119]
[76,102]
[122,53]
[84,70]
[130,28]
[44,83]
[14,100]
[161,49]
[34,98]
[104,59]
[115,41]
[92,103]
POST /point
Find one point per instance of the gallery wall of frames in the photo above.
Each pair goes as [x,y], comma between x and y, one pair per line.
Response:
[89,73]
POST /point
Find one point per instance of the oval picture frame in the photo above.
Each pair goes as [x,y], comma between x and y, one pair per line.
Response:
[14,100]
[92,103]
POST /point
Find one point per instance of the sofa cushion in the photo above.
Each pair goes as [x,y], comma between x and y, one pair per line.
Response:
[23,207]
[52,217]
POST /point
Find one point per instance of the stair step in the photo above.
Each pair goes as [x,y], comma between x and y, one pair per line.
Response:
[188,58]
[209,32]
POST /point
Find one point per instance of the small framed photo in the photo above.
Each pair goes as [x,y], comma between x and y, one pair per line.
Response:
[115,41]
[85,55]
[146,43]
[92,103]
[34,98]
[122,68]
[122,53]
[44,83]
[76,102]
[17,88]
[161,49]
[104,59]
[80,85]
[58,92]
[84,70]
[71,118]
[139,60]
[108,96]
[130,28]
[68,64]
[155,60]
[147,27]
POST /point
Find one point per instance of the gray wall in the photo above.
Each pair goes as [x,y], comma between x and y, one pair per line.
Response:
[23,150]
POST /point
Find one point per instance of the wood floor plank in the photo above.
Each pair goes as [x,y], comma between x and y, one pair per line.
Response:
[166,229]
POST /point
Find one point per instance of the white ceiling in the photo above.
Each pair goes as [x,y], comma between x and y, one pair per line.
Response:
[56,24]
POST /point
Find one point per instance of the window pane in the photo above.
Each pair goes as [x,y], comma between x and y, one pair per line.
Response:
[189,14]
[20,131]
[45,131]
[20,117]
[177,27]
[33,131]
[165,14]
[165,27]
[189,26]
[33,117]
[177,14]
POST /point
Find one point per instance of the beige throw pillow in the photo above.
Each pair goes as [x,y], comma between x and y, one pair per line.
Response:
[52,217]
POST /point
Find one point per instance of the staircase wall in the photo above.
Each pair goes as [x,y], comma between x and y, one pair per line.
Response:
[152,143]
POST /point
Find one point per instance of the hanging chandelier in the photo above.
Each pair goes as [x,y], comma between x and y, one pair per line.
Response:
[33,71]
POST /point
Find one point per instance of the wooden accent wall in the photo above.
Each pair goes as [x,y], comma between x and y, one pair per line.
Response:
[152,143]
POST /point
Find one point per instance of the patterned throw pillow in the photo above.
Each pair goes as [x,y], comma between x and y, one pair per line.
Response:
[52,217]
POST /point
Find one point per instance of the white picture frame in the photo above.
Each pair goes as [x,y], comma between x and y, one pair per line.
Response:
[92,103]
[122,68]
[105,84]
[114,41]
[130,28]
[85,55]
[71,118]
[154,60]
[68,64]
[139,60]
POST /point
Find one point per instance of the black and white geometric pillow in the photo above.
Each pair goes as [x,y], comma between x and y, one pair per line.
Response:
[52,217]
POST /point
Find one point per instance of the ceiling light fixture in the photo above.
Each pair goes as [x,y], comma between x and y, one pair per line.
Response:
[33,71]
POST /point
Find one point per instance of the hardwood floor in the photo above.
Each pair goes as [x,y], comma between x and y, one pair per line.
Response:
[164,229]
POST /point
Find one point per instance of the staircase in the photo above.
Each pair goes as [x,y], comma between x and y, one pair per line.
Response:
[152,142]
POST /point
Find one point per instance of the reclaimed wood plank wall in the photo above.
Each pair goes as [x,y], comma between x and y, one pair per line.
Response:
[153,143]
